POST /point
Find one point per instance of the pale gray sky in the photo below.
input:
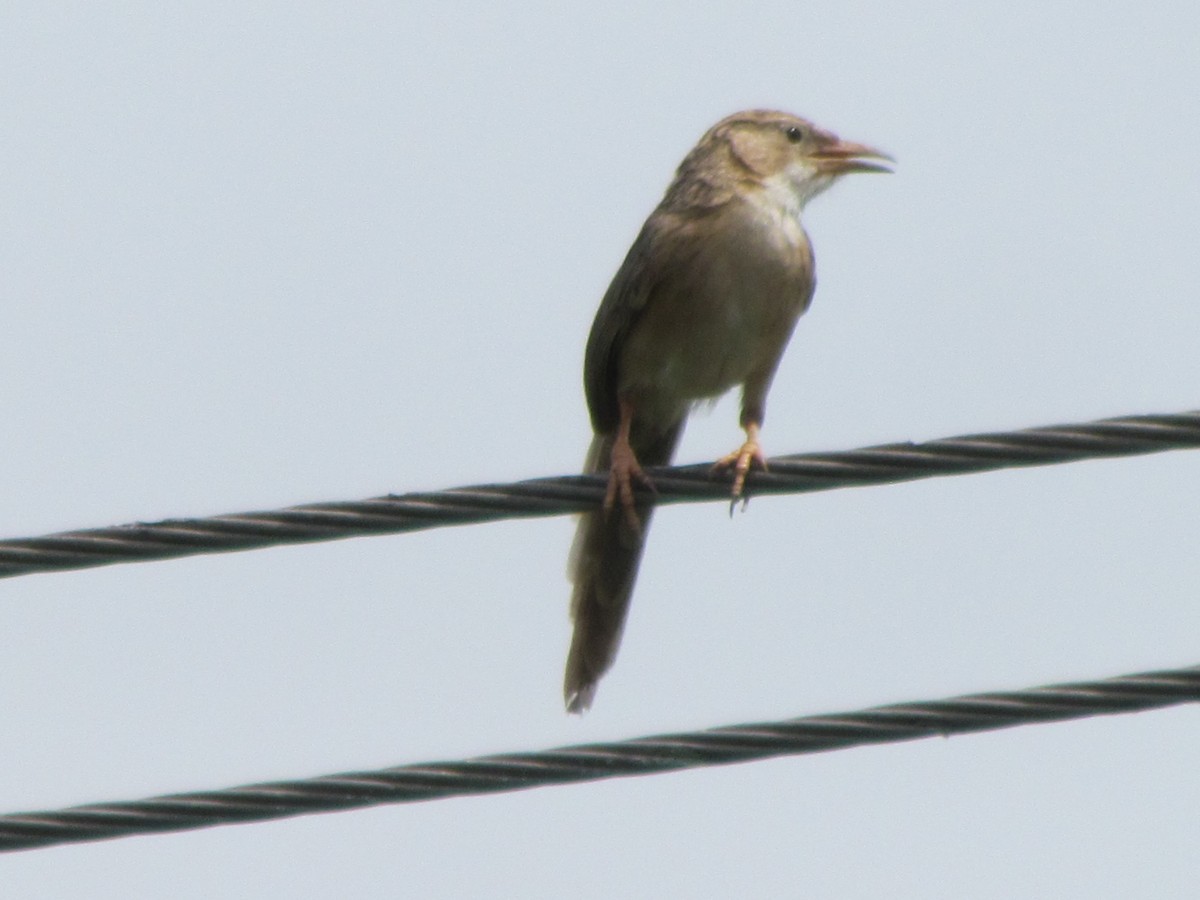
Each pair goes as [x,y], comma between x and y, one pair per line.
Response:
[258,255]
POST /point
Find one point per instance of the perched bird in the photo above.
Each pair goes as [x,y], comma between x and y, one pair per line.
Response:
[706,300]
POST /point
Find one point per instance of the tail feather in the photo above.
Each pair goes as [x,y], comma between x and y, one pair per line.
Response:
[603,566]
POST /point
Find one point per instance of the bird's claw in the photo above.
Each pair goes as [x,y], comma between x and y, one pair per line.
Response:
[740,462]
[624,470]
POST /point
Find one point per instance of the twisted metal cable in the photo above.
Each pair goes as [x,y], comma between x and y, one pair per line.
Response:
[593,762]
[392,514]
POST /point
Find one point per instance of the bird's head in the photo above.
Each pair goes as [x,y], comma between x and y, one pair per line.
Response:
[785,154]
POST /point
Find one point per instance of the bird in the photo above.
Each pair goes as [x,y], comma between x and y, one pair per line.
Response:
[705,301]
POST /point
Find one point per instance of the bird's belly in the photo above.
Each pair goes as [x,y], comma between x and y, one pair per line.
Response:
[698,346]
[711,353]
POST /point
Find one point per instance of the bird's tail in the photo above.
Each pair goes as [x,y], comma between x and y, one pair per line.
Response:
[603,566]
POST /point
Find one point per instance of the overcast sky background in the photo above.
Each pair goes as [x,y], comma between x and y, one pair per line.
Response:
[253,255]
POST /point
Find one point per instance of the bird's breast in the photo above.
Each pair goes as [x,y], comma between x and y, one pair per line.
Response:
[722,310]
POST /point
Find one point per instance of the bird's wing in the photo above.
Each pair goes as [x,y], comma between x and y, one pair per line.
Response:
[623,303]
[666,244]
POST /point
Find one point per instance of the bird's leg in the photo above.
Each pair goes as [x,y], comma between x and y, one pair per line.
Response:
[740,461]
[623,469]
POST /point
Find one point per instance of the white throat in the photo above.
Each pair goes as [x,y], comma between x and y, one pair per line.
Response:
[796,185]
[785,193]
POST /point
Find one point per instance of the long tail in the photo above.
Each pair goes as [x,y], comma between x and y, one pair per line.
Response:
[603,566]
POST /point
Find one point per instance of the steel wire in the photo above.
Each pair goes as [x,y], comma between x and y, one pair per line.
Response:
[394,514]
[593,762]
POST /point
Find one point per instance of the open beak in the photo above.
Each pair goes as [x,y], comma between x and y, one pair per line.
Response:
[838,157]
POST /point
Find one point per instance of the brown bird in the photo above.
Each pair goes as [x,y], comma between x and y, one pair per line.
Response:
[706,300]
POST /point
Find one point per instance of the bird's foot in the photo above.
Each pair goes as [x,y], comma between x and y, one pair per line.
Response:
[624,470]
[749,455]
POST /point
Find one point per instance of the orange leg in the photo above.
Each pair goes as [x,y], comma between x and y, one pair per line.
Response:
[624,468]
[740,461]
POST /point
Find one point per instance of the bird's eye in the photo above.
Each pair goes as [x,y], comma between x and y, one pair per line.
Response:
[795,134]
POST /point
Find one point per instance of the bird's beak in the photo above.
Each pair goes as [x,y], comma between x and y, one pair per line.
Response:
[838,157]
